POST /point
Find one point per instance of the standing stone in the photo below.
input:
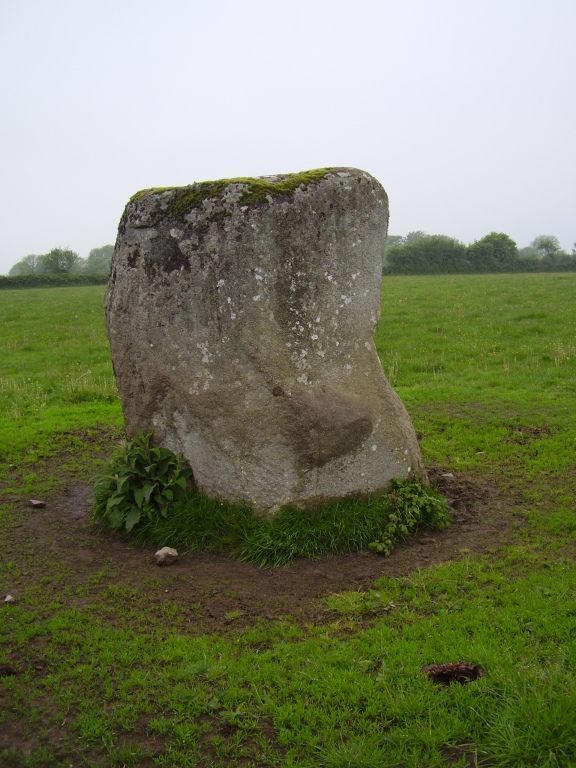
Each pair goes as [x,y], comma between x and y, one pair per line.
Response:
[240,315]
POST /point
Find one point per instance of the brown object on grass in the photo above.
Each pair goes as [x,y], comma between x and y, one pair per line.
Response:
[7,670]
[455,672]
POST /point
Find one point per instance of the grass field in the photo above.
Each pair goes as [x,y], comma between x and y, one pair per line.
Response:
[97,670]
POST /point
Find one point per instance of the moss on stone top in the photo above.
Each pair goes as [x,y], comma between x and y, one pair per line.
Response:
[256,190]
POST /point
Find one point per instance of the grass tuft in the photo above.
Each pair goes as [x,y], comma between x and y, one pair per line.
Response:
[197,523]
[535,727]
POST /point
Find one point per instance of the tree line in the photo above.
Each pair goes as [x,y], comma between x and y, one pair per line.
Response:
[416,253]
[63,261]
[419,254]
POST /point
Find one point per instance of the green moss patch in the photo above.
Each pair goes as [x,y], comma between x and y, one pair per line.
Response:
[256,190]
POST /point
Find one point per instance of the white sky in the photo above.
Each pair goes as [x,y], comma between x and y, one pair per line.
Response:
[465,110]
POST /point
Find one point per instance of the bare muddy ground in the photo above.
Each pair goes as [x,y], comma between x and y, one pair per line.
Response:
[60,548]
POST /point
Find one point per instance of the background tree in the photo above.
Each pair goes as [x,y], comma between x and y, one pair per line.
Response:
[58,261]
[99,260]
[26,266]
[431,254]
[548,247]
[63,261]
[413,237]
[495,252]
[394,240]
[529,253]
[390,241]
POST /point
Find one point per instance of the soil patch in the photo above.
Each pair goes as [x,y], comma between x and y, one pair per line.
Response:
[216,593]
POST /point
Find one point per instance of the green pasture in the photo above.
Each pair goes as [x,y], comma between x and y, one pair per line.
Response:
[486,366]
[56,382]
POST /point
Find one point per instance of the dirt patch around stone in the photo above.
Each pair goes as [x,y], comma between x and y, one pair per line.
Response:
[217,593]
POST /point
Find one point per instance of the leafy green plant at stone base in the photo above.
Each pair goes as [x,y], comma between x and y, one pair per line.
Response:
[140,480]
[414,505]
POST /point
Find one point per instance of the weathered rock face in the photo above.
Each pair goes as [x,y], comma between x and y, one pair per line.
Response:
[240,315]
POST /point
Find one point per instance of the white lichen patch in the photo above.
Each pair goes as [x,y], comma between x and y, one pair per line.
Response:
[205,351]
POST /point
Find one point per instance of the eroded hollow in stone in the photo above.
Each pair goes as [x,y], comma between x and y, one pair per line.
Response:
[240,315]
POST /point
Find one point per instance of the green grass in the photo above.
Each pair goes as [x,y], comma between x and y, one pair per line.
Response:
[332,694]
[197,523]
[56,382]
[486,366]
[54,350]
[459,339]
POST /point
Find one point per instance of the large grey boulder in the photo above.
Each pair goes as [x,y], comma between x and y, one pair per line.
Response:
[240,315]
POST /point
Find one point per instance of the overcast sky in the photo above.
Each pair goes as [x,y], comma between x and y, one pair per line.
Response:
[464,110]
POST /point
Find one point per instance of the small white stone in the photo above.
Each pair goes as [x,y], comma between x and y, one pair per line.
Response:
[8,599]
[166,556]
